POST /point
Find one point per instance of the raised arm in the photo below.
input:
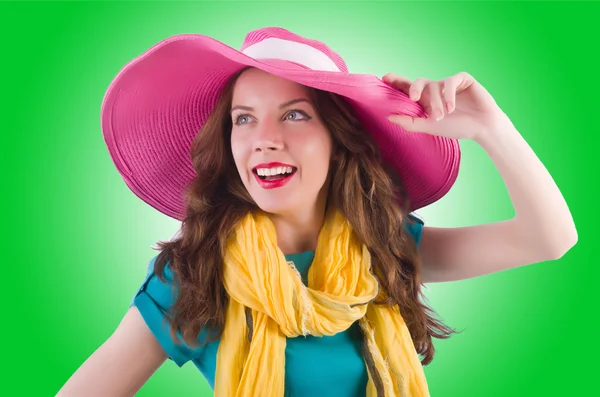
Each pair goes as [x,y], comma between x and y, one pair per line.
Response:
[542,229]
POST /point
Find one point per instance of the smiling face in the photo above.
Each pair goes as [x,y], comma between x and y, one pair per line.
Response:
[280,145]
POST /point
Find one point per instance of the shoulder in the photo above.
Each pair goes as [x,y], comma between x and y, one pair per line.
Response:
[154,299]
[413,224]
[162,291]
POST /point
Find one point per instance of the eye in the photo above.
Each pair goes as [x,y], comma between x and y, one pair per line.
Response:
[239,119]
[293,115]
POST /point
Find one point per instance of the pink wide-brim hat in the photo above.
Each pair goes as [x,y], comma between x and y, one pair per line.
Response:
[160,100]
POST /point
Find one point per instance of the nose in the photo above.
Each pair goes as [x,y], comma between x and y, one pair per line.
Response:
[268,137]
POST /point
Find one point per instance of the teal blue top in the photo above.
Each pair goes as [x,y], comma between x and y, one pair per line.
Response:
[330,366]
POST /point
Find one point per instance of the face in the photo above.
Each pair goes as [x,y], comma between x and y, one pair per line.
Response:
[280,145]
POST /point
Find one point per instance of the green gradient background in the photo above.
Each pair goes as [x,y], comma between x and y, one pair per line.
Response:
[76,241]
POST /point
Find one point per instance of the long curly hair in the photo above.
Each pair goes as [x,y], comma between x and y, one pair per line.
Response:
[362,187]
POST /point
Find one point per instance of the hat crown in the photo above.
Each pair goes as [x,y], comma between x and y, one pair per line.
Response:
[279,43]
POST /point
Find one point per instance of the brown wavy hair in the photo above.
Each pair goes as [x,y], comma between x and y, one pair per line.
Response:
[362,188]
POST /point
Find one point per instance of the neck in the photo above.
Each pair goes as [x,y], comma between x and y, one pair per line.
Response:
[298,232]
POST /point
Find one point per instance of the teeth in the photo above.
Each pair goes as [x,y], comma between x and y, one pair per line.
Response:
[274,171]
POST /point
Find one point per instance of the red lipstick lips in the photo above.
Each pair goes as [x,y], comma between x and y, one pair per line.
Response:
[271,165]
[273,183]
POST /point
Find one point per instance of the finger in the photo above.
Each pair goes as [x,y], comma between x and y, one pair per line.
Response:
[435,100]
[416,89]
[464,81]
[398,81]
[413,124]
[449,92]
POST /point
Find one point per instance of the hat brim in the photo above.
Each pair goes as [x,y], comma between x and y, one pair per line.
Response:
[158,102]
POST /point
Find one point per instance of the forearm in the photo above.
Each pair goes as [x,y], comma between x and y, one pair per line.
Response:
[542,215]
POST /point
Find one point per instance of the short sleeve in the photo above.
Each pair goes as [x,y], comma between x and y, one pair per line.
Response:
[414,225]
[153,299]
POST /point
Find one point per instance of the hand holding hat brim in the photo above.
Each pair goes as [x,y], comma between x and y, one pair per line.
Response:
[457,107]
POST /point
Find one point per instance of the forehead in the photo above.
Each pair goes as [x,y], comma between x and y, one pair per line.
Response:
[257,85]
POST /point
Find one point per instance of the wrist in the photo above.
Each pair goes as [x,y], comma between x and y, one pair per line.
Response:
[499,126]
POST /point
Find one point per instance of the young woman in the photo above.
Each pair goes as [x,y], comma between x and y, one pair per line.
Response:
[299,264]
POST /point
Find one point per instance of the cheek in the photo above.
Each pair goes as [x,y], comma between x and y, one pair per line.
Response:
[316,151]
[237,146]
[239,152]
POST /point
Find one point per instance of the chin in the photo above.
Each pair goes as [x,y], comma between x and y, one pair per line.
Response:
[274,207]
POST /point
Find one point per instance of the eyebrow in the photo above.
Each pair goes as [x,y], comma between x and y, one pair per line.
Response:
[283,105]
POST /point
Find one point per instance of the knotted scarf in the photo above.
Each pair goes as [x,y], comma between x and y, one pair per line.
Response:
[268,302]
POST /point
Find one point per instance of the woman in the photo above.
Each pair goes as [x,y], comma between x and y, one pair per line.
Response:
[299,265]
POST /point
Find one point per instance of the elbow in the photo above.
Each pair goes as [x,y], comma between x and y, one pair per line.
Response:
[559,246]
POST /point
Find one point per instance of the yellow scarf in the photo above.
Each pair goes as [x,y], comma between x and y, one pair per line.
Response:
[268,302]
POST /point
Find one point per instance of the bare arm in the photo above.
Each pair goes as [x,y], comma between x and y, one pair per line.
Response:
[121,365]
[542,229]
